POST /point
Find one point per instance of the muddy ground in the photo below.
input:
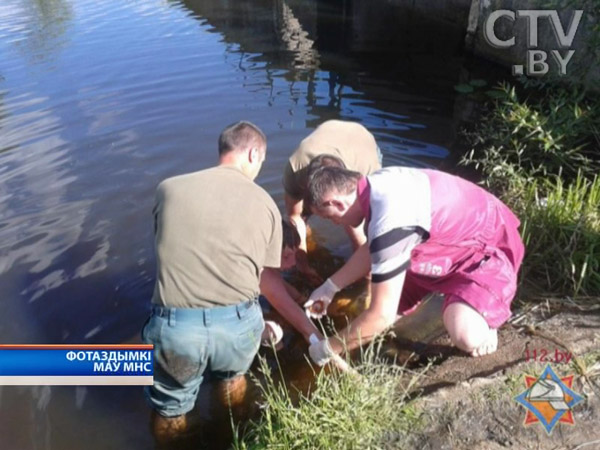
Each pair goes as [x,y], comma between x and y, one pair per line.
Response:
[468,403]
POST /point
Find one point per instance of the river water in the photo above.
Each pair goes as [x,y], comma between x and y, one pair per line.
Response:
[99,101]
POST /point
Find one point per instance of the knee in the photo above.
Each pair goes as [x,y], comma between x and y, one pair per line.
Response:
[468,340]
[468,330]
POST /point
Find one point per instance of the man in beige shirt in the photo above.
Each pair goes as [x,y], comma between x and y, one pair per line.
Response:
[218,242]
[351,146]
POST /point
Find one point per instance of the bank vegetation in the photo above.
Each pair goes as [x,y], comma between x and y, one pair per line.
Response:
[538,149]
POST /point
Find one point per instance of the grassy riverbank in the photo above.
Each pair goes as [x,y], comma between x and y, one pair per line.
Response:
[540,153]
[538,150]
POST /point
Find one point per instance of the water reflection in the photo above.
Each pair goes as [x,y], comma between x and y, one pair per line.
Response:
[297,40]
[342,62]
[41,28]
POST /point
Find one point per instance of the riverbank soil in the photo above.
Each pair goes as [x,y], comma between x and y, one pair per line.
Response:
[469,403]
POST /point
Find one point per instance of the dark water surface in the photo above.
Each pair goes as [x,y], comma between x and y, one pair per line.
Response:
[100,100]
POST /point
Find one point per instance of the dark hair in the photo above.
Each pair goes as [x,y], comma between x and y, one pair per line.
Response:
[239,134]
[326,179]
[324,160]
[291,238]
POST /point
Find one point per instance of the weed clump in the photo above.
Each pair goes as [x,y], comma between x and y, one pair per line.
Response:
[556,132]
[364,409]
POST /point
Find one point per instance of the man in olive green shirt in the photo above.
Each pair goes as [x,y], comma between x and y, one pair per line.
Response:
[215,231]
[347,142]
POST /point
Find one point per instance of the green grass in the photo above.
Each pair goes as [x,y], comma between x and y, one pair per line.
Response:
[541,156]
[554,131]
[561,232]
[363,410]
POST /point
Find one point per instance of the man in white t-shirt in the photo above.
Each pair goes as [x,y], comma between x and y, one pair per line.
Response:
[427,231]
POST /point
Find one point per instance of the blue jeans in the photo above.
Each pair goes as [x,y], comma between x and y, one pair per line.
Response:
[189,342]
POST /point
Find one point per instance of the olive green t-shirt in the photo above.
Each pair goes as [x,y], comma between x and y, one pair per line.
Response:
[215,230]
[349,141]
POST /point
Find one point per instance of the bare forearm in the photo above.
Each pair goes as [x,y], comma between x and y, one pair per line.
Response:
[295,316]
[272,286]
[357,267]
[361,331]
[380,315]
[293,292]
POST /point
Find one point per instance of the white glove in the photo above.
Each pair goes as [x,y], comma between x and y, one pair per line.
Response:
[272,334]
[321,352]
[319,300]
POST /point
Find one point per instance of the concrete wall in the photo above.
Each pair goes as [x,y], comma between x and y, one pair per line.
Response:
[455,11]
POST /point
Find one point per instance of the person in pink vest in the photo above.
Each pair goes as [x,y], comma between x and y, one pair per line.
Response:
[427,231]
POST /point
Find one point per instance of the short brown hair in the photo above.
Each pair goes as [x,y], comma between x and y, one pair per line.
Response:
[325,179]
[239,134]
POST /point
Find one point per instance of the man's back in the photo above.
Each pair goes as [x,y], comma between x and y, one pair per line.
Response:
[349,141]
[215,230]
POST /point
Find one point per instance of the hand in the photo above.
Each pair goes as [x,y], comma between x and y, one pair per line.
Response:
[319,300]
[321,352]
[272,335]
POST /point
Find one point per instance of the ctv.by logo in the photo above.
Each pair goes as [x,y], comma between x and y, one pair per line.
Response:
[536,59]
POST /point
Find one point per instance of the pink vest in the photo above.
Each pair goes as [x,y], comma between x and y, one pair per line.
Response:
[463,213]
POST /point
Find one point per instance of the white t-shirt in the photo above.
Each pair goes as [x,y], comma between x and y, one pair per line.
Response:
[400,205]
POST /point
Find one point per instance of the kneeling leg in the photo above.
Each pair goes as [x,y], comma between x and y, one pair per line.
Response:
[468,329]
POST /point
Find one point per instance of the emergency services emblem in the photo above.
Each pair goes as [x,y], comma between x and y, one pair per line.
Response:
[549,399]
